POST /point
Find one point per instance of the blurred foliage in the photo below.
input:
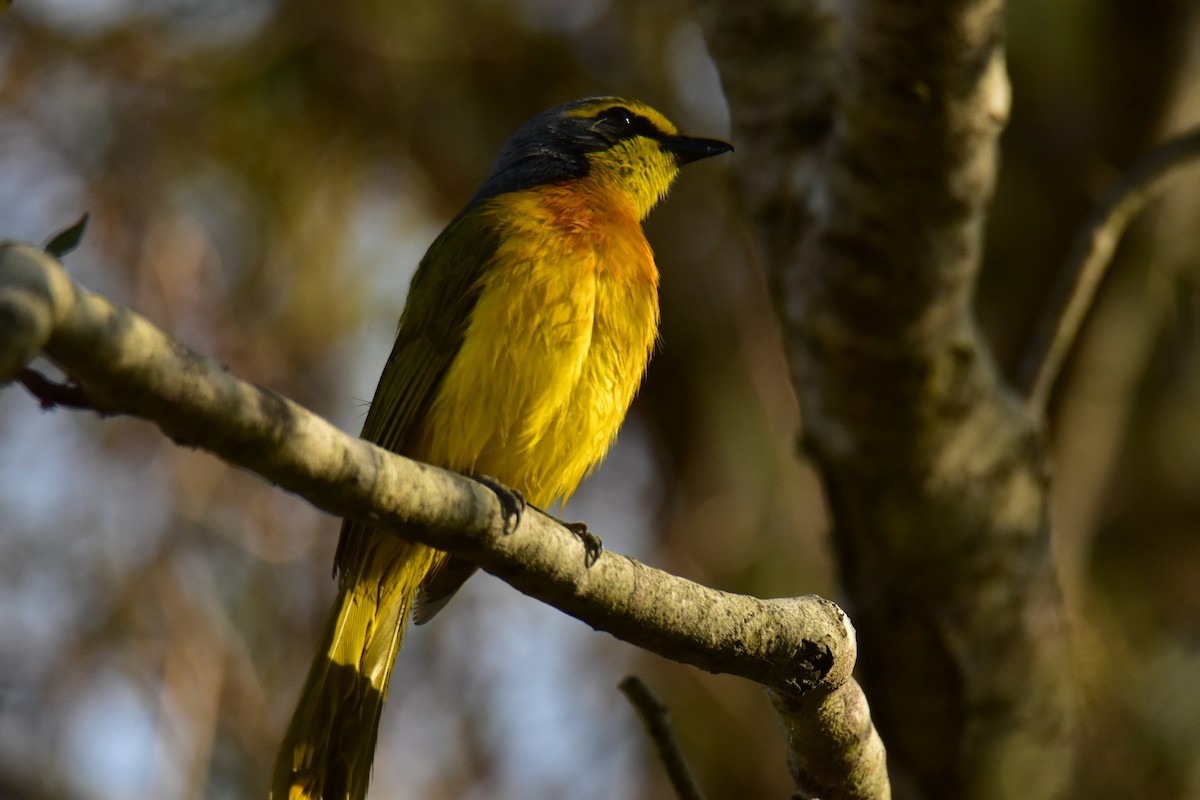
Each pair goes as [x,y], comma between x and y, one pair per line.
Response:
[264,175]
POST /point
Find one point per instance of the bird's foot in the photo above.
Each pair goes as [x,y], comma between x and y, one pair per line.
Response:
[592,545]
[512,502]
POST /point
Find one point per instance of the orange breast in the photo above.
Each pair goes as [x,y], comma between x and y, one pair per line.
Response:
[557,344]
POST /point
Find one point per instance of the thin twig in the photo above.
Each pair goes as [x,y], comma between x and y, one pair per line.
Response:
[52,395]
[1089,261]
[657,720]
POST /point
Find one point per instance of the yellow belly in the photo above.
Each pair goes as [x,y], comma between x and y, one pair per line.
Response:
[557,345]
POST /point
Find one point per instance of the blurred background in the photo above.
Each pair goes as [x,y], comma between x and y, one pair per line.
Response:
[264,175]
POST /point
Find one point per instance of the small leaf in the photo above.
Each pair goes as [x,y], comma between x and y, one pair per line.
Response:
[67,240]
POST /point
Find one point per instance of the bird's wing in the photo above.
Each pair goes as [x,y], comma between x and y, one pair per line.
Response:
[435,319]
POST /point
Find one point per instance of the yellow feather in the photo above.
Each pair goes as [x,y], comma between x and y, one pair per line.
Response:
[557,345]
[525,336]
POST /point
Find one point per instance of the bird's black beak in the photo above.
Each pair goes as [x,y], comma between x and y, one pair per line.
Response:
[689,148]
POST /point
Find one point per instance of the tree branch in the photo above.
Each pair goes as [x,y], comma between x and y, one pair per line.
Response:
[657,720]
[124,365]
[843,743]
[1089,260]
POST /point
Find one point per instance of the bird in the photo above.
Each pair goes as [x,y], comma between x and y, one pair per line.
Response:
[526,331]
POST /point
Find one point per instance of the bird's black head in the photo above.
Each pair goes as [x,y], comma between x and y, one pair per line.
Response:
[626,140]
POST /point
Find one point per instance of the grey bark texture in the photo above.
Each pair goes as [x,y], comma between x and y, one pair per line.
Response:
[867,144]
[802,649]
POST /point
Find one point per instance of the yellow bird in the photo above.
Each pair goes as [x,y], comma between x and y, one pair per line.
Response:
[526,333]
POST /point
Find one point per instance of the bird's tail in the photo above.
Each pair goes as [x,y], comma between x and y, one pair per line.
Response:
[330,742]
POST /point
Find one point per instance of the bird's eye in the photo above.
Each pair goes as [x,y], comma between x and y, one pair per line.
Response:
[618,114]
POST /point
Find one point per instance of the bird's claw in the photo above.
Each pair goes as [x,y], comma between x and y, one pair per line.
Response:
[592,545]
[512,502]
